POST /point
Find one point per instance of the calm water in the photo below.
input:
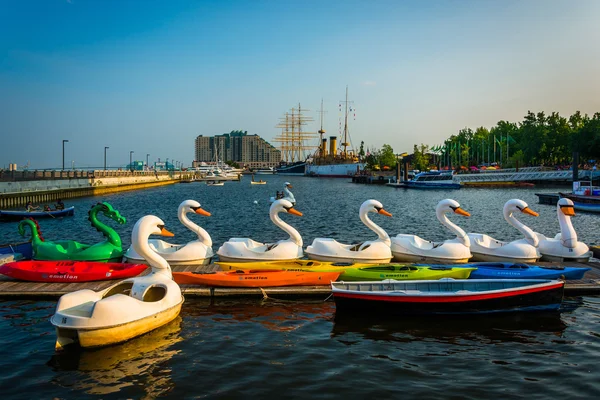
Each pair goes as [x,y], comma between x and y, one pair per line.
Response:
[259,348]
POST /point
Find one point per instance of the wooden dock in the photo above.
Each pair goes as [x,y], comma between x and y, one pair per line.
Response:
[589,285]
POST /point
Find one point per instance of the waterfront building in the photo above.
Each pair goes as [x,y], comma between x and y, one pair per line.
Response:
[250,151]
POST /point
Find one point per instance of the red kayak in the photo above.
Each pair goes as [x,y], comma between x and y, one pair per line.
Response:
[69,271]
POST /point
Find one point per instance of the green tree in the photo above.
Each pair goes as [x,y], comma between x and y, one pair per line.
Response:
[421,157]
[387,156]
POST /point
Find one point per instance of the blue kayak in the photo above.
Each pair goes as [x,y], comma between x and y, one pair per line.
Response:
[496,270]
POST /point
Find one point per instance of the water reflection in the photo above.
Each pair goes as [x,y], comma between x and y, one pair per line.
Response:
[523,327]
[275,315]
[139,364]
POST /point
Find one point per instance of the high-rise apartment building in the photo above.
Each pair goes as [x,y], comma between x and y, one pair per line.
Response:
[247,150]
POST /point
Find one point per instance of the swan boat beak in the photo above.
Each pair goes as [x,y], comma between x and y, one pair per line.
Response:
[200,211]
[529,211]
[568,210]
[165,232]
[462,212]
[383,212]
[292,210]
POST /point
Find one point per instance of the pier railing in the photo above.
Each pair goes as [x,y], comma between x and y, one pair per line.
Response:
[35,175]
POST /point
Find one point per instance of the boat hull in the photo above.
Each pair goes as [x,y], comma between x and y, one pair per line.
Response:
[24,249]
[379,273]
[296,169]
[521,271]
[438,186]
[334,170]
[489,257]
[13,215]
[69,271]
[267,278]
[532,298]
[172,263]
[415,258]
[353,260]
[99,337]
[294,265]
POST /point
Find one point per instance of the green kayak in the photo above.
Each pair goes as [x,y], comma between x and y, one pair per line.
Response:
[404,272]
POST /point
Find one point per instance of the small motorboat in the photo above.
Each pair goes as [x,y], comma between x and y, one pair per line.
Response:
[196,252]
[261,182]
[404,272]
[369,252]
[16,215]
[448,296]
[498,270]
[69,271]
[289,265]
[215,183]
[248,250]
[127,309]
[255,278]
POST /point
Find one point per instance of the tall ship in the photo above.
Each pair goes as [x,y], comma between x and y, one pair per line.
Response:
[293,140]
[335,163]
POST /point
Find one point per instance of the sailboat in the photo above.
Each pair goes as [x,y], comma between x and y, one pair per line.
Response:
[332,164]
[294,142]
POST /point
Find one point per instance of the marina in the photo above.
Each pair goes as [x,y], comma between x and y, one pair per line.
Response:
[13,289]
[330,200]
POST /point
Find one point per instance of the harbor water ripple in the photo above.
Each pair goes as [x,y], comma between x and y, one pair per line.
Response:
[254,348]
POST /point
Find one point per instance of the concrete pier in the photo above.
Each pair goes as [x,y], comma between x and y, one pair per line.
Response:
[40,187]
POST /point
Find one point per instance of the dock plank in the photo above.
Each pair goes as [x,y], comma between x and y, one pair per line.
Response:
[9,288]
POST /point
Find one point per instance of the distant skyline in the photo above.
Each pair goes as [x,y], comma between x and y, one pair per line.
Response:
[150,76]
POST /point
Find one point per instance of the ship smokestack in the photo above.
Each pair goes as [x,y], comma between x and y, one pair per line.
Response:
[324,147]
[332,145]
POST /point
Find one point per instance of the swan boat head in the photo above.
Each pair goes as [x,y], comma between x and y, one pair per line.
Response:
[144,227]
[449,205]
[517,205]
[190,206]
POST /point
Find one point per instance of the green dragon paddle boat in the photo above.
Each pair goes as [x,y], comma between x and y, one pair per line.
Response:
[109,250]
[404,272]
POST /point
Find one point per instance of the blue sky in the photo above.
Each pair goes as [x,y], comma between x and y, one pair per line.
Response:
[149,76]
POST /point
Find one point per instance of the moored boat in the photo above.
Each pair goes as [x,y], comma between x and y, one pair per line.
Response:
[509,270]
[69,271]
[448,296]
[126,309]
[404,272]
[432,180]
[16,215]
[289,265]
[22,250]
[255,278]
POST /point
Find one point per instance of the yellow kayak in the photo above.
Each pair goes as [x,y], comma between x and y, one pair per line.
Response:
[294,265]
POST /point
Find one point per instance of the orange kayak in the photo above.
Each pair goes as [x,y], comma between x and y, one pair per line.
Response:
[256,278]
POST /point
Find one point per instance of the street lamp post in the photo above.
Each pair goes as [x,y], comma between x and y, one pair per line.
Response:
[131,161]
[105,148]
[64,140]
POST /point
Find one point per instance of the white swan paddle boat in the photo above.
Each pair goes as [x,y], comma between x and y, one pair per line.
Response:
[286,194]
[486,248]
[369,252]
[248,250]
[125,310]
[564,246]
[196,252]
[415,249]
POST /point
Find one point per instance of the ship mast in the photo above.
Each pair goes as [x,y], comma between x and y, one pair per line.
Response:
[345,143]
[293,140]
[321,133]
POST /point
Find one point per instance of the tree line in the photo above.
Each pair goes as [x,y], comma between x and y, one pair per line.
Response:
[540,139]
